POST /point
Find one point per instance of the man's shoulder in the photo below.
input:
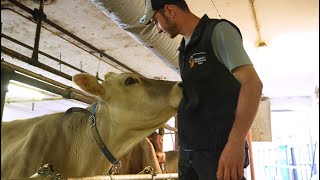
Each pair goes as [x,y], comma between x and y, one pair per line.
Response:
[223,25]
[222,22]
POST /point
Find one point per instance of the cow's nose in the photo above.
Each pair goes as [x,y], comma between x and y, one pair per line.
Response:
[161,157]
[180,84]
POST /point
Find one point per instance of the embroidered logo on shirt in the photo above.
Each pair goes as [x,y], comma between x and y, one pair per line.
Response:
[197,58]
[191,62]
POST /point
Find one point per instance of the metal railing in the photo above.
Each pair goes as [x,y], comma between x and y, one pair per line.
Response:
[284,162]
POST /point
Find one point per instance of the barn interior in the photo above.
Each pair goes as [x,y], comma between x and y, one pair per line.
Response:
[45,42]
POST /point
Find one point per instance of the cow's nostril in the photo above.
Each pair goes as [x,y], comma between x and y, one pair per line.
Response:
[180,84]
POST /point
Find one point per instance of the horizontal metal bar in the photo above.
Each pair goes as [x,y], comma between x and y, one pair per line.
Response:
[28,60]
[129,177]
[66,32]
[25,8]
[8,101]
[40,52]
[39,77]
[87,44]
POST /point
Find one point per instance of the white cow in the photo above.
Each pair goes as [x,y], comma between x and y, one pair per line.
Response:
[130,108]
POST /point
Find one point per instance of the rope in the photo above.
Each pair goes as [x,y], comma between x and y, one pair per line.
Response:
[216,9]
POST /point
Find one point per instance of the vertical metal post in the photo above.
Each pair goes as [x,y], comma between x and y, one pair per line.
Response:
[283,161]
[38,15]
[313,166]
[6,74]
[294,163]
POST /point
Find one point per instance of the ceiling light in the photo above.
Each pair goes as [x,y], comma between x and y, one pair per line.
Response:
[261,44]
[18,92]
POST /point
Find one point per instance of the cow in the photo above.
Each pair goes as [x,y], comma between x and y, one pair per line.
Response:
[138,158]
[172,158]
[168,160]
[157,141]
[141,159]
[130,108]
[147,153]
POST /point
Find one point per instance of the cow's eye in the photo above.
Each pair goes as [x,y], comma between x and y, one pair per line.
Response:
[130,80]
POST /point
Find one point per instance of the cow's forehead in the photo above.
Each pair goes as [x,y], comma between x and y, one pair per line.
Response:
[112,75]
[109,75]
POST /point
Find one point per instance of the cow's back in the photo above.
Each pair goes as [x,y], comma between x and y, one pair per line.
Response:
[26,144]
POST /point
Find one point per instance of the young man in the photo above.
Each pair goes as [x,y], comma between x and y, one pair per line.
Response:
[221,91]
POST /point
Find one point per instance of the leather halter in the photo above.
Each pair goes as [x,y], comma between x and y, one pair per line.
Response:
[93,126]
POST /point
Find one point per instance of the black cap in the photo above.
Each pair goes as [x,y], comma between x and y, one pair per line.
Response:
[151,6]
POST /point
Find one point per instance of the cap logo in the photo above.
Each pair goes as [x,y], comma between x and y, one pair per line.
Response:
[143,19]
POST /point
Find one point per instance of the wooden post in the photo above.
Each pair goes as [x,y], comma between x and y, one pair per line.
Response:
[176,140]
[261,127]
[250,155]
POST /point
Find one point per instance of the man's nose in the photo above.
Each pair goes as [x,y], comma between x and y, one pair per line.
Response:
[159,30]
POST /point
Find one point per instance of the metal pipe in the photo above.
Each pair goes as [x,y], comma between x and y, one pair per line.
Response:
[28,60]
[8,101]
[130,177]
[40,77]
[25,8]
[38,15]
[88,45]
[21,6]
[167,126]
[260,41]
[66,93]
[294,163]
[40,52]
[57,34]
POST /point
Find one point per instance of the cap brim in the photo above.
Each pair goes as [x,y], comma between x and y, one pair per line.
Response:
[146,18]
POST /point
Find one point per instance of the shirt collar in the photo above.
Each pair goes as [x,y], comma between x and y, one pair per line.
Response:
[196,33]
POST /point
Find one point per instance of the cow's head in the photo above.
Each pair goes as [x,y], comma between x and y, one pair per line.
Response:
[132,92]
[157,141]
[132,106]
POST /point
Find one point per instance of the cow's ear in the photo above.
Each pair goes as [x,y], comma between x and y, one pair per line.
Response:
[89,84]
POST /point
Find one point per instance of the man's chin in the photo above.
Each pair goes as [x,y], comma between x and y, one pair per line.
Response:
[173,36]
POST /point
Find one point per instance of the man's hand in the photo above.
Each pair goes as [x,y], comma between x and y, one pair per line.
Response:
[231,161]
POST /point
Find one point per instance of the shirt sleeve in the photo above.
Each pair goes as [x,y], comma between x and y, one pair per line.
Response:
[228,47]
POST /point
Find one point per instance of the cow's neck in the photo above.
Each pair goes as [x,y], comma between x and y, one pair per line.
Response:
[81,145]
[121,131]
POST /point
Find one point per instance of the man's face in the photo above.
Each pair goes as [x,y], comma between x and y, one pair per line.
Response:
[164,23]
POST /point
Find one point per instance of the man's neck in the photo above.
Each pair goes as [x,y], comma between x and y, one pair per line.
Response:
[188,25]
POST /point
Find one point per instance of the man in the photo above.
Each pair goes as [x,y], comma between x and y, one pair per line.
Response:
[221,91]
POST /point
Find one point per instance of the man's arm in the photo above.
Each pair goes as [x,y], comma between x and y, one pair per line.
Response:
[248,102]
[227,45]
[232,158]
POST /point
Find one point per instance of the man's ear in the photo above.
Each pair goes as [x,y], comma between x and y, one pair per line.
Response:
[170,9]
[89,84]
